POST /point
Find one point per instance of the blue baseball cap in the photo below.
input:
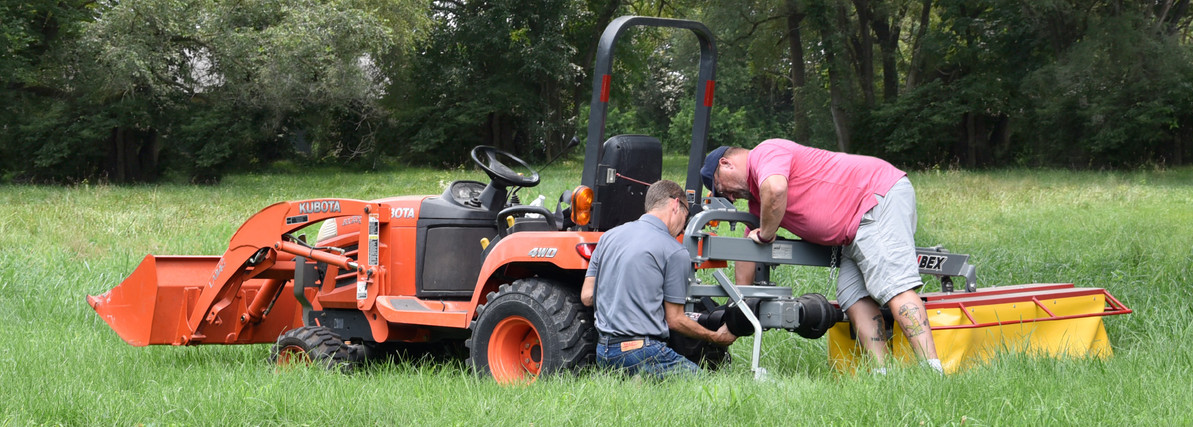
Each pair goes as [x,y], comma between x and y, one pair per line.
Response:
[710,168]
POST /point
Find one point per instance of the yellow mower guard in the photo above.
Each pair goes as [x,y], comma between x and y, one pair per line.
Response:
[1054,320]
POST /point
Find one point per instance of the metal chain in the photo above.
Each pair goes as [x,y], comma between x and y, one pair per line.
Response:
[833,268]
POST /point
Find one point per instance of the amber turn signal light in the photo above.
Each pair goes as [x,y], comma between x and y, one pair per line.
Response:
[581,205]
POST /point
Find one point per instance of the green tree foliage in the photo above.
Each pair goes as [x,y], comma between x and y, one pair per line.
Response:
[124,90]
[969,88]
[40,120]
[205,86]
[1080,83]
[1055,83]
[489,73]
[1121,95]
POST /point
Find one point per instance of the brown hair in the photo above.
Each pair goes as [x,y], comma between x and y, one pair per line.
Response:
[661,192]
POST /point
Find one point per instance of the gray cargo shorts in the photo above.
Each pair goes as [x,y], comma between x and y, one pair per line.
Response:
[881,261]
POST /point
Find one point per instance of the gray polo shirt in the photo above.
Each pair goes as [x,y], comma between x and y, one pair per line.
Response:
[638,265]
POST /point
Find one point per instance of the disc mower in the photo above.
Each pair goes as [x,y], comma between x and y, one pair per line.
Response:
[474,268]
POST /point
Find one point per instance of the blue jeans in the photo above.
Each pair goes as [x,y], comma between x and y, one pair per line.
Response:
[654,359]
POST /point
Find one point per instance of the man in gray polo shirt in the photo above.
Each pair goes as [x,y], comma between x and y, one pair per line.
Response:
[638,280]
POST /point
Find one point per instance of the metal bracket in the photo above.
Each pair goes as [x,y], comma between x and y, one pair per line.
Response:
[305,276]
[938,261]
[738,300]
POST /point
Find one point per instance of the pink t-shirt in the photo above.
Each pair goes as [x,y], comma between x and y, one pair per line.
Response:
[827,192]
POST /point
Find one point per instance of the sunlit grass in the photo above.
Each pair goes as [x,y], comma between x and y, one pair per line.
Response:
[1131,233]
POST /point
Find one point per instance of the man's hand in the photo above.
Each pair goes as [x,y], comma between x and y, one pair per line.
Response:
[756,236]
[723,337]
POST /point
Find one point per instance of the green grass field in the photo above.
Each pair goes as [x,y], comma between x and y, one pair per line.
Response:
[1130,232]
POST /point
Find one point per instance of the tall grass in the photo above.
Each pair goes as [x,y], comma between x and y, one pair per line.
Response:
[1129,232]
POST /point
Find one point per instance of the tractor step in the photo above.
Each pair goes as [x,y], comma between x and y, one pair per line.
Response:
[414,311]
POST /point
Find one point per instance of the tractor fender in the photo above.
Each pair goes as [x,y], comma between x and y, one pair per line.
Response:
[560,249]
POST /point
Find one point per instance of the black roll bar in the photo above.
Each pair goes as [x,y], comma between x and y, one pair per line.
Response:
[602,80]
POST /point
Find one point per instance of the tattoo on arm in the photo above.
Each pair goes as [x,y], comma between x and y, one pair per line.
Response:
[917,322]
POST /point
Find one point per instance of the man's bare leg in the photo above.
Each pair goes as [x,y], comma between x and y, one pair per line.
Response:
[870,328]
[908,310]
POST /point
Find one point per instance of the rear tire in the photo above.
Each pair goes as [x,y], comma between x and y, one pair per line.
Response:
[312,345]
[530,328]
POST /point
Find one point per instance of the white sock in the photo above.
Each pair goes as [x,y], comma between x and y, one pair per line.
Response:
[935,364]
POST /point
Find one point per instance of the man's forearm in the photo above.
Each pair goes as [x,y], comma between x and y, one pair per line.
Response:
[691,329]
[773,205]
[678,321]
[587,291]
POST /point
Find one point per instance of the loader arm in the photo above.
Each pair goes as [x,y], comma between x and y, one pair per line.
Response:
[229,302]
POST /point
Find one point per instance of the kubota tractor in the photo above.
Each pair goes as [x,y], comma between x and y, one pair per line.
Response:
[473,266]
[467,265]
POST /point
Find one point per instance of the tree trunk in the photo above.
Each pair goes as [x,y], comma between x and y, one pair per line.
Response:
[134,155]
[1000,138]
[837,97]
[1178,146]
[502,132]
[803,131]
[970,143]
[492,130]
[917,55]
[148,156]
[863,47]
[119,148]
[1178,14]
[840,118]
[886,28]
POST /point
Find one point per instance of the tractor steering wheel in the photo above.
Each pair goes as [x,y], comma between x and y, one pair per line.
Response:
[487,158]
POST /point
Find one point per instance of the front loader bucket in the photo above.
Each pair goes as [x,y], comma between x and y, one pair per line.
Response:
[153,304]
[1051,320]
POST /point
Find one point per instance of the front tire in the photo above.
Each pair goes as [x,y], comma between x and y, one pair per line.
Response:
[312,345]
[530,328]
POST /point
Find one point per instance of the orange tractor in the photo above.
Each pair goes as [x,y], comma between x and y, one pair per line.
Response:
[473,265]
[470,265]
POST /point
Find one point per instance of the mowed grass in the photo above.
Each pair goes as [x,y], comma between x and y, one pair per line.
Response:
[1131,233]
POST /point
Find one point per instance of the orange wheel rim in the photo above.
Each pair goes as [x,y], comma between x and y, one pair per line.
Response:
[293,355]
[515,350]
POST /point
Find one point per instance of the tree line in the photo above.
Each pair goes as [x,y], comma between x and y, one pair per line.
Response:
[134,90]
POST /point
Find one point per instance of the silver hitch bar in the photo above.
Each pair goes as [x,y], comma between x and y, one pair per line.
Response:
[703,246]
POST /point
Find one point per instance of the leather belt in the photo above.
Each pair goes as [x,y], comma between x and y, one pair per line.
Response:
[618,339]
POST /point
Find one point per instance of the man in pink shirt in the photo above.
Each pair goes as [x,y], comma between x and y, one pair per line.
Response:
[863,204]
